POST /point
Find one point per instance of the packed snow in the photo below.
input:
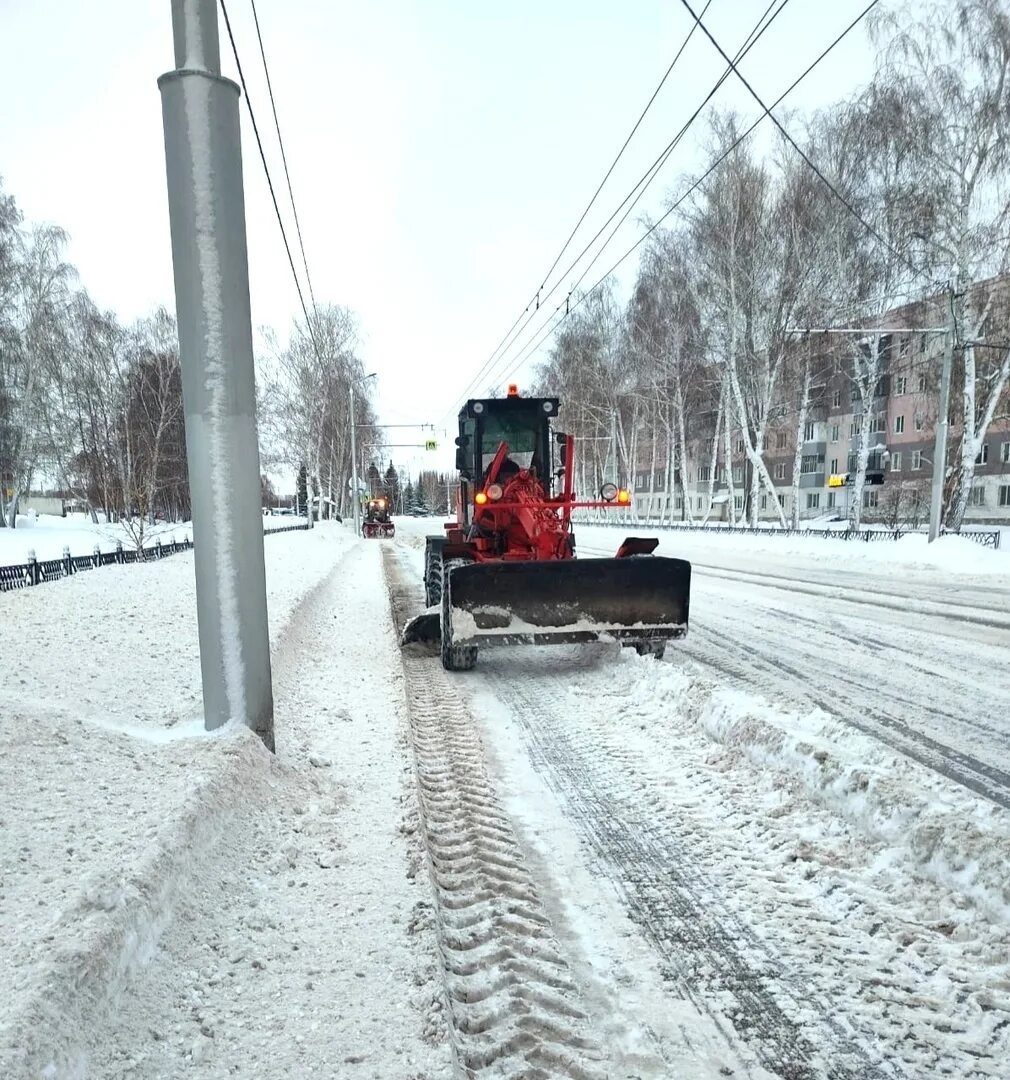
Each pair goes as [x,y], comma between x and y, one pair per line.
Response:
[48,535]
[780,851]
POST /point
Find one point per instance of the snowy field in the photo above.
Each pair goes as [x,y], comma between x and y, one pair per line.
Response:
[47,535]
[779,852]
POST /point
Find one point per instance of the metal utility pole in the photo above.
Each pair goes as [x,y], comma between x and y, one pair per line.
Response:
[940,445]
[206,205]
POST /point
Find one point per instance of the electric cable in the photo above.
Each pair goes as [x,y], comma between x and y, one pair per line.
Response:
[690,190]
[284,156]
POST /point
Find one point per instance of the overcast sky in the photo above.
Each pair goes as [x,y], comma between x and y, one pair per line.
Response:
[441,150]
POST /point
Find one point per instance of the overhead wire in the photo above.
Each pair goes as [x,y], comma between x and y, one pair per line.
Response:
[284,156]
[266,170]
[536,299]
[613,165]
[643,183]
[766,109]
[918,272]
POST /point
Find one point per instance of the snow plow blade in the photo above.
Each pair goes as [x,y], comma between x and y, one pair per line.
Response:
[557,602]
[377,530]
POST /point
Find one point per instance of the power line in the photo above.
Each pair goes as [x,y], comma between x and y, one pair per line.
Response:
[640,188]
[536,297]
[284,156]
[654,169]
[266,170]
[638,122]
[799,150]
[694,186]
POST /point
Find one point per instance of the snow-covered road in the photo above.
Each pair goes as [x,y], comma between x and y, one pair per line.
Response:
[809,883]
[751,859]
[917,656]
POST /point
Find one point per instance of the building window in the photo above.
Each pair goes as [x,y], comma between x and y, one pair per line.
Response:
[977,496]
[896,462]
[705,472]
[699,502]
[1004,494]
[831,500]
[879,424]
[854,394]
[920,421]
[813,500]
[780,470]
[1004,452]
[870,499]
[834,466]
[780,441]
[737,502]
[834,433]
[808,431]
[738,473]
[983,455]
[836,399]
[899,425]
[856,426]
[812,463]
[922,384]
[678,502]
[764,500]
[720,474]
[739,446]
[916,460]
[903,343]
[901,385]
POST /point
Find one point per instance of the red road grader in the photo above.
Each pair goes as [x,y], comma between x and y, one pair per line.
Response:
[505,572]
[377,524]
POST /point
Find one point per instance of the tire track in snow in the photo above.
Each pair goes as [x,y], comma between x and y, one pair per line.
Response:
[513,1006]
[711,955]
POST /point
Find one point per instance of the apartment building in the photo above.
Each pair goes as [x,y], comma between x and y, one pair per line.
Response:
[901,441]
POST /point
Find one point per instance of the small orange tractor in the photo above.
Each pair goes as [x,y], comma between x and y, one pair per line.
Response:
[505,572]
[377,524]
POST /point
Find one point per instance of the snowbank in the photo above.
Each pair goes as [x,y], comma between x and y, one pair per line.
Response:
[47,535]
[163,888]
[942,832]
[118,647]
[952,554]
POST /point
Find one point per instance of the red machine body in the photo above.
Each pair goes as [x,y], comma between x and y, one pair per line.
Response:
[506,571]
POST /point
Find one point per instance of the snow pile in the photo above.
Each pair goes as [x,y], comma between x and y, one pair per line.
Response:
[47,535]
[118,647]
[947,835]
[98,878]
[163,888]
[953,554]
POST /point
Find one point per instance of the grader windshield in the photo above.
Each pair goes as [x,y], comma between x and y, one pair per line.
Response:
[522,432]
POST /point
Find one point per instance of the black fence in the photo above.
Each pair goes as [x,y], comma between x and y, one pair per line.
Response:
[984,539]
[39,571]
